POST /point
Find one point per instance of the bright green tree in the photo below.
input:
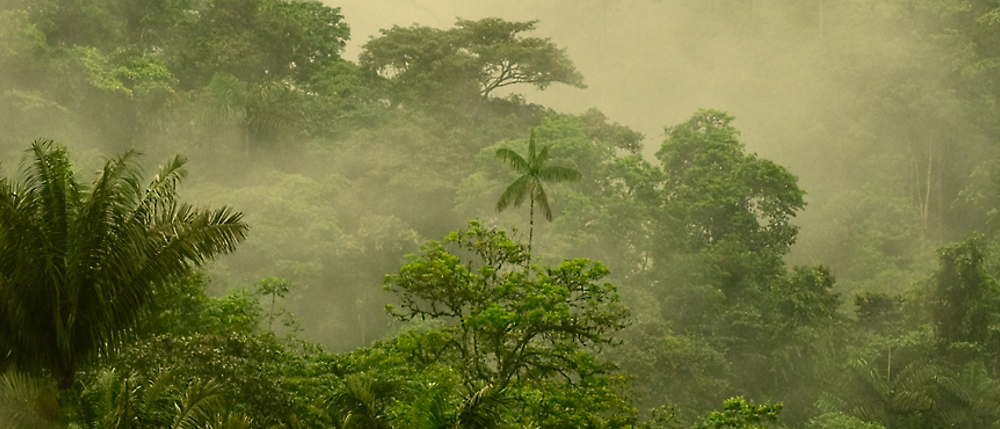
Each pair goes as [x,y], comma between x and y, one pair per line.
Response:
[524,344]
[739,413]
[533,171]
[79,263]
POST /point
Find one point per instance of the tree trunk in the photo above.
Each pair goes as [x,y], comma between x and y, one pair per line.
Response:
[531,224]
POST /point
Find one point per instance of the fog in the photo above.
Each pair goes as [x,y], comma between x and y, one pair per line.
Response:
[649,64]
[884,113]
[789,71]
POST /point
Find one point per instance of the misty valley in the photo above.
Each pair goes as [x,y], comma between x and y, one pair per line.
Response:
[602,214]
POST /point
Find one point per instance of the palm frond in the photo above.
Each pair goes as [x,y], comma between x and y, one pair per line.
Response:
[78,264]
[514,160]
[543,202]
[159,387]
[483,409]
[360,404]
[531,147]
[558,174]
[437,413]
[162,190]
[198,405]
[539,160]
[232,421]
[515,193]
[26,403]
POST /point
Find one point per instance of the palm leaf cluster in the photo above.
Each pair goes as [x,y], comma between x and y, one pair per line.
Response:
[920,394]
[79,263]
[27,403]
[161,400]
[364,402]
[360,404]
[532,171]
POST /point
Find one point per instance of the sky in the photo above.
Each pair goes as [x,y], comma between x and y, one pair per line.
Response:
[646,62]
[649,64]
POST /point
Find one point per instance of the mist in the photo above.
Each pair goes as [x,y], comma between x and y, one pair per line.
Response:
[784,193]
[790,72]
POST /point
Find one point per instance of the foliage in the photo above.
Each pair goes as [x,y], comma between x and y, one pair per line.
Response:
[521,335]
[521,326]
[27,402]
[887,110]
[162,400]
[474,58]
[724,194]
[966,299]
[533,171]
[738,413]
[79,264]
[258,110]
[257,41]
[217,339]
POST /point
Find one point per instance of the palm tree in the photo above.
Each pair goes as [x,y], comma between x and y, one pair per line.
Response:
[361,403]
[26,402]
[160,400]
[257,109]
[79,263]
[533,171]
[483,409]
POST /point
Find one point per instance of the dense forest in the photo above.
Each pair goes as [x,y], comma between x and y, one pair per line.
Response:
[404,241]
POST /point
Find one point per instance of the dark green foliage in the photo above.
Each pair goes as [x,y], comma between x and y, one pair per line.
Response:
[725,195]
[158,400]
[879,312]
[256,41]
[215,340]
[79,264]
[27,402]
[966,300]
[360,404]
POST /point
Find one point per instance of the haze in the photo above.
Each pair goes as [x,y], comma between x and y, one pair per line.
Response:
[796,200]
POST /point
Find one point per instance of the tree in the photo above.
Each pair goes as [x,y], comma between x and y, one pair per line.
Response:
[360,403]
[222,339]
[256,41]
[738,413]
[533,171]
[964,306]
[527,340]
[79,263]
[474,57]
[162,400]
[719,194]
[502,58]
[26,402]
[257,110]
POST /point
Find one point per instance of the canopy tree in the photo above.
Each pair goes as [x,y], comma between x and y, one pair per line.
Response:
[475,56]
[510,336]
[79,263]
[256,41]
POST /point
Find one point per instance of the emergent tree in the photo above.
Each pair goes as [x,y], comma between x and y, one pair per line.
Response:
[533,171]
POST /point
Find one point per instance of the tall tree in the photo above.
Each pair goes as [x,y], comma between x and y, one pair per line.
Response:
[474,58]
[79,263]
[533,171]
